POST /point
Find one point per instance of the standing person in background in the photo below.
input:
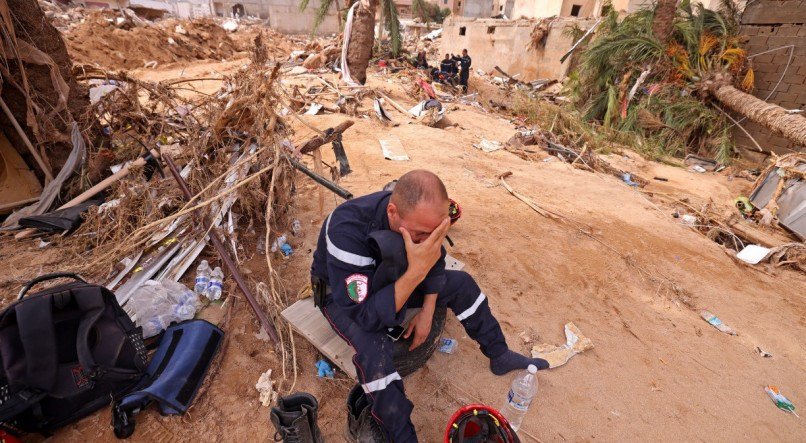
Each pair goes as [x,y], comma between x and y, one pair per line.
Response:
[464,62]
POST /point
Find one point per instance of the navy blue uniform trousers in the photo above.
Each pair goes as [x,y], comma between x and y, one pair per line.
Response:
[373,360]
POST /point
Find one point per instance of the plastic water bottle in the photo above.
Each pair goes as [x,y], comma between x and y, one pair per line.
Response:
[523,390]
[213,291]
[202,277]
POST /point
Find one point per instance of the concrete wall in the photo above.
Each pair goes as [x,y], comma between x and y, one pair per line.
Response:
[505,43]
[285,17]
[477,8]
[768,25]
[536,8]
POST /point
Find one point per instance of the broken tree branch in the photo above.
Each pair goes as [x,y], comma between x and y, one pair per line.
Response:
[329,136]
[265,321]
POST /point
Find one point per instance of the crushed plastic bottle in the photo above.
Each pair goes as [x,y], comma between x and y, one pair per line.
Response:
[780,401]
[521,393]
[157,304]
[278,243]
[286,249]
[216,286]
[714,321]
[202,277]
[296,227]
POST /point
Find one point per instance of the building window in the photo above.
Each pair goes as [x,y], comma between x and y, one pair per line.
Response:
[459,5]
[462,30]
[444,2]
[575,10]
[500,8]
[491,30]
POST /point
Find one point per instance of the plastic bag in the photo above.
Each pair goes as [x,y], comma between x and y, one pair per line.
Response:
[157,304]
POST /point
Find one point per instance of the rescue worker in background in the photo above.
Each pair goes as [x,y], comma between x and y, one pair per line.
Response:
[361,303]
[464,62]
[422,61]
[448,66]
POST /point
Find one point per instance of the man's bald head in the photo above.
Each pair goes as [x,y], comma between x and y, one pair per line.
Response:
[417,187]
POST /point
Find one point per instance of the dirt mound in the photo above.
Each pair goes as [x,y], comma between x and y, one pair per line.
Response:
[112,40]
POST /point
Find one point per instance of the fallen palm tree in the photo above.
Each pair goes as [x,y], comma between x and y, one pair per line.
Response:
[670,91]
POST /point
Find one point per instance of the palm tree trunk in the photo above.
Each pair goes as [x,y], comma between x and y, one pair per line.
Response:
[663,22]
[362,38]
[381,20]
[773,117]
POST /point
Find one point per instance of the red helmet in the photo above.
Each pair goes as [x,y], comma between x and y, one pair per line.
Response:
[479,423]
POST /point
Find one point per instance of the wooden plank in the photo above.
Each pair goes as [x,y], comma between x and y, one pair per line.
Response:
[308,321]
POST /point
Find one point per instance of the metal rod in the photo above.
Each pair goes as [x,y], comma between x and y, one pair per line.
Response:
[338,190]
[264,320]
[24,137]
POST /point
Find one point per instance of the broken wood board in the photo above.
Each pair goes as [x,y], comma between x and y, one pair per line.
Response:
[307,320]
[18,184]
[393,150]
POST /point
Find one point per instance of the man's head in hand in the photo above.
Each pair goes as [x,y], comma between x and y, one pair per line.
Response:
[419,204]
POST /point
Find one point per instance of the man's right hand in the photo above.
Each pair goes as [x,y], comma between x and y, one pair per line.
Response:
[422,256]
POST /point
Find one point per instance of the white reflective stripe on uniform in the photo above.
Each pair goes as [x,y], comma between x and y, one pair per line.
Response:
[472,310]
[381,383]
[341,254]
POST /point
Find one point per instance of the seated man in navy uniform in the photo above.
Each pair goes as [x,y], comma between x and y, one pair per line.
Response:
[361,303]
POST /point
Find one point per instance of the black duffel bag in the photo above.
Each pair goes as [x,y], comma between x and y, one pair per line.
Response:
[65,352]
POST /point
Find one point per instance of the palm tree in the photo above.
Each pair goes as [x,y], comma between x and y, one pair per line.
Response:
[362,37]
[663,21]
[686,77]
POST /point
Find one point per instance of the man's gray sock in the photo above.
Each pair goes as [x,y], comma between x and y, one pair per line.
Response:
[511,361]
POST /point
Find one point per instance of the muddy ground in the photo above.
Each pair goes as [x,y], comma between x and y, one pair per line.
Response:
[624,270]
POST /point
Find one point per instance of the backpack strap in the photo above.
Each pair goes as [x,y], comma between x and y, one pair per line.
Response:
[92,304]
[38,337]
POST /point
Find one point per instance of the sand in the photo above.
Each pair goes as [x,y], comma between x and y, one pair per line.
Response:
[621,268]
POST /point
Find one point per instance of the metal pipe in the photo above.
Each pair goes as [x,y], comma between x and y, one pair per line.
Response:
[264,320]
[338,190]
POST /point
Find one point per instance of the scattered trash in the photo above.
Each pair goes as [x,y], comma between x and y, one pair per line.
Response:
[575,343]
[433,35]
[314,109]
[157,304]
[700,164]
[381,113]
[780,401]
[179,29]
[286,249]
[627,178]
[763,353]
[265,386]
[324,370]
[296,227]
[278,243]
[230,25]
[488,145]
[753,254]
[216,286]
[661,179]
[714,321]
[689,220]
[744,205]
[202,277]
[447,345]
[787,200]
[393,150]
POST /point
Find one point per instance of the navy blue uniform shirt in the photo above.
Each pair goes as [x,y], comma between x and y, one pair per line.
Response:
[345,260]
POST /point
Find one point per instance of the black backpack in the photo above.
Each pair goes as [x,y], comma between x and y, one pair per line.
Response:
[65,352]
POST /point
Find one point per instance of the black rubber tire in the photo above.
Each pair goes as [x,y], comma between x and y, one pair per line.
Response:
[407,362]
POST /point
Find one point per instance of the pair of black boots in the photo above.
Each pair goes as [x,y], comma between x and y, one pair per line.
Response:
[295,417]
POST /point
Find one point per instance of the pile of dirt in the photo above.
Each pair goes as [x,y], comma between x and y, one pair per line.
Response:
[114,40]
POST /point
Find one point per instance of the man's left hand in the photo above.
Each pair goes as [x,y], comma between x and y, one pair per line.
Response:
[421,326]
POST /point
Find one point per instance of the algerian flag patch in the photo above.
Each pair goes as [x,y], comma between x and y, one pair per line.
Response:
[357,287]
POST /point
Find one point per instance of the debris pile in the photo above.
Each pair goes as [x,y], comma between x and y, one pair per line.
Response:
[121,39]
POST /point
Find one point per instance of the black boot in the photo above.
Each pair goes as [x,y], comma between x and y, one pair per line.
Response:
[361,425]
[295,419]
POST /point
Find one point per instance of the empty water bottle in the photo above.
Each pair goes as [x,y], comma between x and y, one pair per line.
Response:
[216,285]
[521,393]
[202,277]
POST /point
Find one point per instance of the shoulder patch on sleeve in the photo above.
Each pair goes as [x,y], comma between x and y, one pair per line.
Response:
[357,287]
